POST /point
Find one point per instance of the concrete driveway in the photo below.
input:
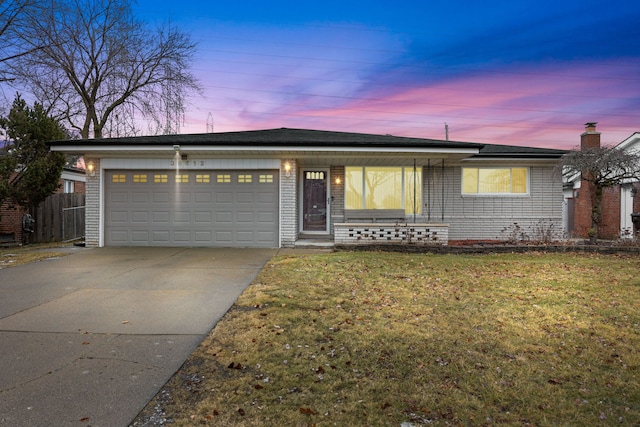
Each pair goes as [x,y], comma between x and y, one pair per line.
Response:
[90,338]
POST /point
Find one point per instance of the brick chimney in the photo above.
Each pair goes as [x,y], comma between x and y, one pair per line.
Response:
[590,138]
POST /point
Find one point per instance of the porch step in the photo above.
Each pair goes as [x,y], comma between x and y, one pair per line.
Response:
[308,243]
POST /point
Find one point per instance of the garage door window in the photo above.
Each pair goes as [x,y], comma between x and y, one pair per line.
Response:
[203,179]
[182,179]
[223,178]
[266,179]
[119,178]
[244,179]
[161,177]
[142,177]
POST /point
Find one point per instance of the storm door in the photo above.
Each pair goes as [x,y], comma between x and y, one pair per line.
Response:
[315,203]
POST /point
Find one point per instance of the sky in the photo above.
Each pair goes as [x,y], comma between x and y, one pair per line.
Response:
[502,72]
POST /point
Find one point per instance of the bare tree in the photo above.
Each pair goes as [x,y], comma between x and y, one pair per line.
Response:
[11,14]
[95,61]
[601,167]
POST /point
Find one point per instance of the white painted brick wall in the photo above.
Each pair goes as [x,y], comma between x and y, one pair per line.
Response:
[381,233]
[288,204]
[92,209]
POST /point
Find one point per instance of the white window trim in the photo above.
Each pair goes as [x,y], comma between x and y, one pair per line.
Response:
[526,194]
[403,196]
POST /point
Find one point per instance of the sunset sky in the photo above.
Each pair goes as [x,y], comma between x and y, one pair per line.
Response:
[504,72]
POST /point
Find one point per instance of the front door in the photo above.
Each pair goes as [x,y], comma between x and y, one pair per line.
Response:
[315,201]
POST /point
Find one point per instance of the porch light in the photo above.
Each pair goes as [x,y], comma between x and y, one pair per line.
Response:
[338,180]
[91,168]
[287,169]
[176,148]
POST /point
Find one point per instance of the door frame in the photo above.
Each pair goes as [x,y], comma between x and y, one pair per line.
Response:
[626,209]
[302,172]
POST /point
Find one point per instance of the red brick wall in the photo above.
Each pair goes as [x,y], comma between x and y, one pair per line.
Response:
[80,187]
[582,209]
[610,226]
[11,221]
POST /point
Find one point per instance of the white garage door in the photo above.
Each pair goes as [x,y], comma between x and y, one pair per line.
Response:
[191,208]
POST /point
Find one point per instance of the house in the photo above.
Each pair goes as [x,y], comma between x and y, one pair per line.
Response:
[72,180]
[618,202]
[271,188]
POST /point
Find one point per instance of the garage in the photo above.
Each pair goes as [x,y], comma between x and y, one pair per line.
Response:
[224,208]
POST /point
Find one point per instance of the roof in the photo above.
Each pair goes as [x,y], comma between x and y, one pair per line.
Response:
[494,150]
[289,139]
[281,137]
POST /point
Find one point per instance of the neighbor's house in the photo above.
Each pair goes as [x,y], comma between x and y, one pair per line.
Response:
[271,188]
[618,202]
[72,180]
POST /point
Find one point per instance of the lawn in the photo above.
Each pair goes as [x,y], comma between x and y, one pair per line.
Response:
[420,339]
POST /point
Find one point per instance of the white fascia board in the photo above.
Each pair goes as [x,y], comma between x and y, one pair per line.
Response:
[630,142]
[74,176]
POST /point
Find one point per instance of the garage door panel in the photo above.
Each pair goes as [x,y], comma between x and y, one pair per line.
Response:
[203,236]
[267,197]
[182,236]
[224,237]
[202,197]
[246,217]
[121,237]
[139,197]
[183,197]
[224,217]
[119,217]
[245,197]
[202,217]
[139,236]
[266,236]
[208,208]
[266,217]
[160,197]
[119,197]
[160,236]
[160,217]
[224,197]
[140,217]
[182,217]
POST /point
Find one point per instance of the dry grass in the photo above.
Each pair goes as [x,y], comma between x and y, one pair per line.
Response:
[385,339]
[19,255]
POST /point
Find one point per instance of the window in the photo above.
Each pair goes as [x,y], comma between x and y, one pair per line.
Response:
[119,178]
[182,178]
[495,180]
[69,186]
[203,179]
[160,178]
[265,179]
[142,177]
[223,178]
[244,179]
[384,188]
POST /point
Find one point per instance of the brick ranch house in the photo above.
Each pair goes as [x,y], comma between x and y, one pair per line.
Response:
[272,188]
[72,180]
[618,202]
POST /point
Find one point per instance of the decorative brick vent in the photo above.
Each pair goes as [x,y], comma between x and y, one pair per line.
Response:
[381,233]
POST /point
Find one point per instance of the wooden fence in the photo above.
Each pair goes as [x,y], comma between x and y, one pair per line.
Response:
[59,218]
